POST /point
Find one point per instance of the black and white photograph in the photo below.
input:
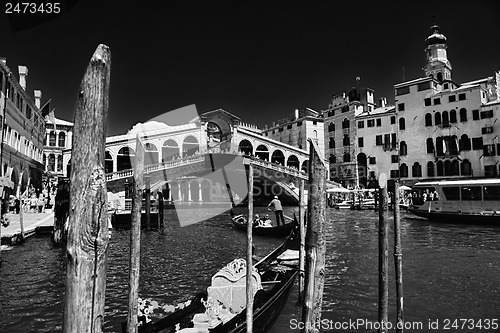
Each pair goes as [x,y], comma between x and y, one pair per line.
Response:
[249,167]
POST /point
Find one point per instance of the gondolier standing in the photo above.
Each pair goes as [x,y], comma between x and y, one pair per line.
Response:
[278,210]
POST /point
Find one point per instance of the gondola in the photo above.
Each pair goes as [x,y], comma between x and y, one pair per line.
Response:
[240,222]
[216,312]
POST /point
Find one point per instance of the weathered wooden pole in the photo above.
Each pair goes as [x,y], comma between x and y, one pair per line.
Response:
[88,235]
[383,256]
[315,240]
[160,213]
[302,252]
[398,260]
[21,219]
[148,201]
[249,251]
[135,239]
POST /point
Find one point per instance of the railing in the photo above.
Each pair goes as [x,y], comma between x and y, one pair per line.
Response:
[276,167]
[156,167]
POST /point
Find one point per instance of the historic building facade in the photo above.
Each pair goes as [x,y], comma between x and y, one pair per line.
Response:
[449,130]
[23,130]
[57,147]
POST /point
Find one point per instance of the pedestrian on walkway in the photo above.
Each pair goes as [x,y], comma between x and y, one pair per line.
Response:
[278,210]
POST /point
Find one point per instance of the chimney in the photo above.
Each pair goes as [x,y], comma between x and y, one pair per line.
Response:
[23,74]
[38,98]
[4,60]
[296,113]
[383,102]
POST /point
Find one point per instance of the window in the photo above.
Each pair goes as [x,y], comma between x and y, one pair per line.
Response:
[471,193]
[371,123]
[440,77]
[62,139]
[486,114]
[372,160]
[463,114]
[345,123]
[477,143]
[416,170]
[280,129]
[378,140]
[428,119]
[453,116]
[393,140]
[491,193]
[393,119]
[289,126]
[387,141]
[427,101]
[402,125]
[464,143]
[333,159]
[299,123]
[394,158]
[490,170]
[487,130]
[345,108]
[461,97]
[394,173]
[466,168]
[437,101]
[331,143]
[475,114]
[347,157]
[430,169]
[361,124]
[424,86]
[437,118]
[489,150]
[401,106]
[446,86]
[452,98]
[345,140]
[446,120]
[430,146]
[379,122]
[52,140]
[331,127]
[452,193]
[360,142]
[403,170]
[403,148]
[402,91]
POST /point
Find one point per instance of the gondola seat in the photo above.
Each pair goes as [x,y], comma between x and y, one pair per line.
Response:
[227,294]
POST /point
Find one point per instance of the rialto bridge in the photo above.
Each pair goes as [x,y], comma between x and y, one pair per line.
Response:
[180,159]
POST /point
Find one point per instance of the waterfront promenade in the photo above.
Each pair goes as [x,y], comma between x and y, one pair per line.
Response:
[12,233]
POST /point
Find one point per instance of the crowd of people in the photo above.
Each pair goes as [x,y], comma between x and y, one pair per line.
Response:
[33,200]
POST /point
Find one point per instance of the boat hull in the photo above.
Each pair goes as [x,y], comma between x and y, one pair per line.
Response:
[279,231]
[457,217]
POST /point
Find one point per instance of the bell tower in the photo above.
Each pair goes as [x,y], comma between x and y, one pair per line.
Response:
[438,65]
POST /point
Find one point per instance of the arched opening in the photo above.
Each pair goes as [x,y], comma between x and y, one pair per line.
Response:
[278,157]
[331,143]
[68,169]
[170,150]
[293,162]
[430,169]
[305,166]
[440,168]
[428,119]
[52,138]
[463,114]
[453,116]
[455,168]
[59,163]
[440,146]
[14,176]
[245,147]
[44,162]
[52,163]
[453,144]
[205,191]
[195,190]
[184,191]
[403,148]
[347,157]
[416,170]
[445,119]
[447,168]
[124,158]
[190,146]
[108,162]
[465,143]
[466,169]
[214,133]
[437,118]
[345,123]
[362,169]
[332,159]
[402,124]
[403,170]
[150,154]
[262,152]
[430,146]
[331,127]
[440,77]
[174,189]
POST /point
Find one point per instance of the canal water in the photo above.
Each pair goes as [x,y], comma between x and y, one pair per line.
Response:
[451,272]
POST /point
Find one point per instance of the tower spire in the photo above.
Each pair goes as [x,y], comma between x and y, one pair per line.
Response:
[437,65]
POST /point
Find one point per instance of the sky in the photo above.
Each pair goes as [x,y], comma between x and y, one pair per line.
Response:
[259,61]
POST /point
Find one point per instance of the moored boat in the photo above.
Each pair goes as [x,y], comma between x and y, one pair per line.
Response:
[240,223]
[223,308]
[468,201]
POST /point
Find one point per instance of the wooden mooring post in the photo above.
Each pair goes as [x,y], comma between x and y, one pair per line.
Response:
[135,239]
[302,251]
[88,235]
[315,241]
[161,223]
[249,311]
[383,256]
[398,260]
